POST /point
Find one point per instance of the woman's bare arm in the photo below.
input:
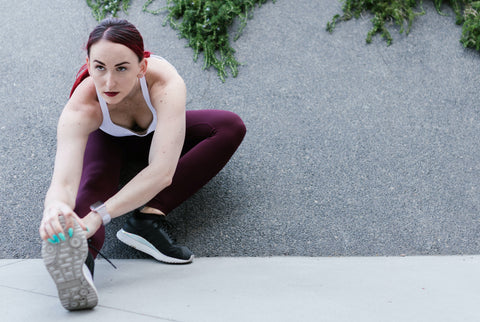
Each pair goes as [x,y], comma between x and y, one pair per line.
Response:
[78,119]
[169,101]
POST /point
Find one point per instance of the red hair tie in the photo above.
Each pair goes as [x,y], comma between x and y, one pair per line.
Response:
[146,54]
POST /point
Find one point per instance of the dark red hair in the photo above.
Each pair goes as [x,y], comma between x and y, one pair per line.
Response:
[118,31]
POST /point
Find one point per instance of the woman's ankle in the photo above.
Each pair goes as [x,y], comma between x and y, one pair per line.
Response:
[150,210]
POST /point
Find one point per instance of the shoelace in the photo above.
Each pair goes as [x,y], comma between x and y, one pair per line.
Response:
[99,253]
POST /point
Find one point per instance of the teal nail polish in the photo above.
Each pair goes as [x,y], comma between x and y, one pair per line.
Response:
[87,229]
[62,236]
[70,232]
[55,239]
[51,241]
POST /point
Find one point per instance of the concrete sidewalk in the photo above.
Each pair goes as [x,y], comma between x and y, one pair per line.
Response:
[257,289]
[351,150]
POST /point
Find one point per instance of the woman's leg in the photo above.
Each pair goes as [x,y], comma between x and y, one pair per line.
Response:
[100,177]
[66,261]
[212,136]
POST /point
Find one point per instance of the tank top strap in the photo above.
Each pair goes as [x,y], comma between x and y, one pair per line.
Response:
[107,121]
[146,93]
[146,96]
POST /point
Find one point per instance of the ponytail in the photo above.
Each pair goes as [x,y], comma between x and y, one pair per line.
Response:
[81,75]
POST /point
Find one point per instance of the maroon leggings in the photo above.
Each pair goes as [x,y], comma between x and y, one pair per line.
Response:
[212,136]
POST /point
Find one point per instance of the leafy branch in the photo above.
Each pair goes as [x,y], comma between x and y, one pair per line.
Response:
[471,26]
[402,13]
[103,8]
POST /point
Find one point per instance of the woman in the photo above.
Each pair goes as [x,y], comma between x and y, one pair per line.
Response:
[125,106]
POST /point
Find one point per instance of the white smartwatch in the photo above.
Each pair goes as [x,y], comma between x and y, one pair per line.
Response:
[100,208]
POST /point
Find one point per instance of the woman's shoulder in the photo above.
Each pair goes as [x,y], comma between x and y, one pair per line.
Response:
[84,103]
[161,73]
[84,96]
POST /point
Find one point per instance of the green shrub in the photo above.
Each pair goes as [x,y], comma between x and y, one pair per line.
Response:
[399,11]
[471,27]
[402,13]
[204,23]
[103,8]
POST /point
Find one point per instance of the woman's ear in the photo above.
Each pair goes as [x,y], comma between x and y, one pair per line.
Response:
[87,62]
[143,66]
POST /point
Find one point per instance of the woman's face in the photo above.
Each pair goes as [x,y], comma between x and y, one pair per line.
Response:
[115,70]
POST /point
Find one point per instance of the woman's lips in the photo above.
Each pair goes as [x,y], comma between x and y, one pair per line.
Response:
[111,94]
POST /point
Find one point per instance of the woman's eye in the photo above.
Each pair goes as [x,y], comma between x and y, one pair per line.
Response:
[122,69]
[99,67]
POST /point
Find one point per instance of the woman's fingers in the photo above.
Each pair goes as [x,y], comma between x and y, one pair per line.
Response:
[81,223]
[50,227]
[50,230]
[69,217]
[43,231]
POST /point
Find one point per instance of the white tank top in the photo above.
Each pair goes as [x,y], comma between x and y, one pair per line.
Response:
[113,129]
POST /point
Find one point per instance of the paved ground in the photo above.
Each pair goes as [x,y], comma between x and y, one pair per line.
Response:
[414,289]
[352,149]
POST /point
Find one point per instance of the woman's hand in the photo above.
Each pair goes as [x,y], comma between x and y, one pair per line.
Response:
[93,221]
[50,228]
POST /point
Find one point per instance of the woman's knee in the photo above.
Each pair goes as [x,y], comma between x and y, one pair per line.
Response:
[224,129]
[233,126]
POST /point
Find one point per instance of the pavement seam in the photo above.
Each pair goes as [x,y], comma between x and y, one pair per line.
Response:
[138,313]
[12,263]
[27,291]
[98,306]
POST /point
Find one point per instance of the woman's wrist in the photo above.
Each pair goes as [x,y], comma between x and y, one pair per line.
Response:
[93,221]
[101,209]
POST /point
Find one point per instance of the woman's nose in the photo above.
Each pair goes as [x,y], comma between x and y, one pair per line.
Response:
[110,81]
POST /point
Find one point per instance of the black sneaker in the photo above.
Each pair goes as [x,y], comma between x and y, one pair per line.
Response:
[90,262]
[65,261]
[149,233]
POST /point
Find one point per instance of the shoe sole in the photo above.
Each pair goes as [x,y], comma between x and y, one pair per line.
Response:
[65,263]
[145,246]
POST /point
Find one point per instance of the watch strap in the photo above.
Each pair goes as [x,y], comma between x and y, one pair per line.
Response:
[100,208]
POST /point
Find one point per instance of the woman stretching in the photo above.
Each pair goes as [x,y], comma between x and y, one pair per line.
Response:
[125,106]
